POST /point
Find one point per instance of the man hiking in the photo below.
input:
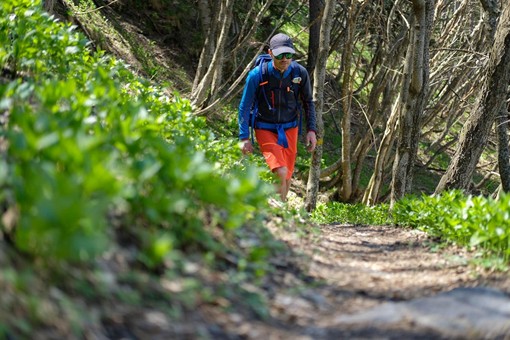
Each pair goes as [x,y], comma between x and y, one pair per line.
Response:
[277,89]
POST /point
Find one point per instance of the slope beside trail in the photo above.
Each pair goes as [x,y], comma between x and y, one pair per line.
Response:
[375,282]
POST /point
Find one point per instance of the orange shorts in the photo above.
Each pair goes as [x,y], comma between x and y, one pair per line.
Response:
[276,155]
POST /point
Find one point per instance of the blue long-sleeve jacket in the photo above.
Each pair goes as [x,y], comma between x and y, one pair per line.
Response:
[279,96]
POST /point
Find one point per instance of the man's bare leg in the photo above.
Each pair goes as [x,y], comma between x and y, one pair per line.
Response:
[284,183]
[287,188]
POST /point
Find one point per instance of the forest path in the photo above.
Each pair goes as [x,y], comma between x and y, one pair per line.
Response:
[379,282]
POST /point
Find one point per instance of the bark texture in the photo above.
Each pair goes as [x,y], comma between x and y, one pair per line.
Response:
[312,187]
[415,92]
[503,149]
[212,76]
[316,9]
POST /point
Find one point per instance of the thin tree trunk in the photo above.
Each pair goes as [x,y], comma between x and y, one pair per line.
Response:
[374,186]
[312,187]
[503,150]
[200,93]
[414,98]
[209,29]
[345,188]
[491,8]
[48,5]
[316,9]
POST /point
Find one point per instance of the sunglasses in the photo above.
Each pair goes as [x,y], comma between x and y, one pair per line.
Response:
[286,55]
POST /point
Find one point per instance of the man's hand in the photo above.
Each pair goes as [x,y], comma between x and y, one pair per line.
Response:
[311,141]
[246,147]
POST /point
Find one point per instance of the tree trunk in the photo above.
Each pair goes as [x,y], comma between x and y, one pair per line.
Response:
[315,13]
[414,96]
[475,132]
[345,186]
[503,150]
[373,189]
[48,5]
[312,187]
[202,90]
[209,28]
[491,8]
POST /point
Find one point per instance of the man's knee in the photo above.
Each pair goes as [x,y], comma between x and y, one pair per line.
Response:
[282,172]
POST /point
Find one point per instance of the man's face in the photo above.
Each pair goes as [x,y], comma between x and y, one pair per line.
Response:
[282,61]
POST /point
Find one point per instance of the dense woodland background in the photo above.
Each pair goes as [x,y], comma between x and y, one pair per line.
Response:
[410,93]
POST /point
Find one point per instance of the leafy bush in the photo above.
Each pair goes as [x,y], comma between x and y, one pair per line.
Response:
[475,221]
[351,213]
[87,137]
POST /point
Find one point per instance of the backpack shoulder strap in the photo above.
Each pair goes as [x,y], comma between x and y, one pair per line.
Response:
[263,74]
[296,80]
[296,76]
[264,80]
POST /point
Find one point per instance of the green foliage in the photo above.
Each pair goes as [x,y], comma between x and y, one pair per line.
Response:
[475,221]
[87,137]
[335,212]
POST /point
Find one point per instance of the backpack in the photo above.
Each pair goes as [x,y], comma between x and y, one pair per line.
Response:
[262,61]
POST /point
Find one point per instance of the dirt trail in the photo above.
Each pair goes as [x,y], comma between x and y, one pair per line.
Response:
[345,270]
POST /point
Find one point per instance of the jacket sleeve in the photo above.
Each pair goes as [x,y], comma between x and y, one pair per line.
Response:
[246,103]
[307,99]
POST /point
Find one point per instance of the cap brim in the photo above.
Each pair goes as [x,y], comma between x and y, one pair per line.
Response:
[283,49]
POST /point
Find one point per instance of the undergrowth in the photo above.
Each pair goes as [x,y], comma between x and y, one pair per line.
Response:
[95,159]
[479,223]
